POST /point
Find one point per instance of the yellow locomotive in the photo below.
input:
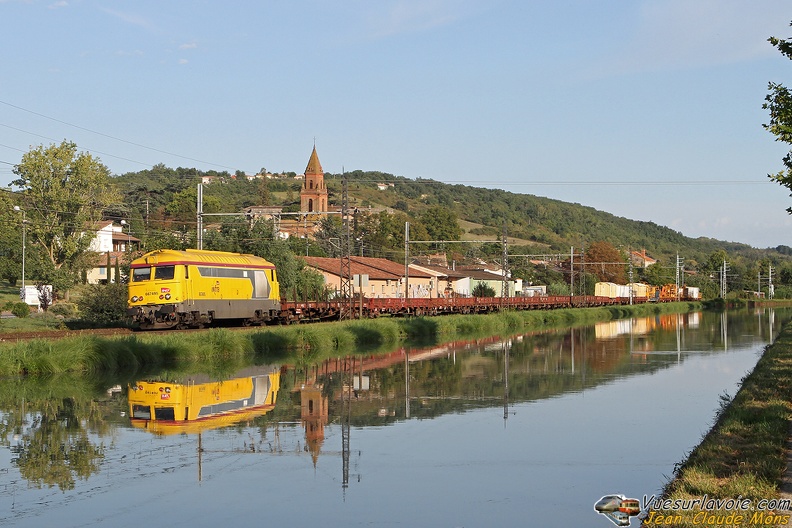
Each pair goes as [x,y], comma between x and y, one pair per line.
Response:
[192,288]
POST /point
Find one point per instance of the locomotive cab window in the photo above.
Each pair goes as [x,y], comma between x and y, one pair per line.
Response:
[164,272]
[141,274]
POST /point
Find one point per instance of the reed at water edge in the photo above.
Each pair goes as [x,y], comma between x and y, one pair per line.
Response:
[146,352]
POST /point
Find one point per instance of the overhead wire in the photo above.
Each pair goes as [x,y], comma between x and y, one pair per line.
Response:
[419,181]
[80,146]
[154,149]
[423,181]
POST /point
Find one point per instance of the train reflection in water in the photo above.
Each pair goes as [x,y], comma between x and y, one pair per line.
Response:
[198,404]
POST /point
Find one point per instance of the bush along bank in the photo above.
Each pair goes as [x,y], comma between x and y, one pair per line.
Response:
[733,477]
[296,343]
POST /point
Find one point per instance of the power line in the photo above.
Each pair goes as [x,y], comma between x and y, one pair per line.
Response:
[594,182]
[87,148]
[418,181]
[12,148]
[113,137]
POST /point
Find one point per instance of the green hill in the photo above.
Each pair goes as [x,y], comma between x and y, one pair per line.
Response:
[164,199]
[541,223]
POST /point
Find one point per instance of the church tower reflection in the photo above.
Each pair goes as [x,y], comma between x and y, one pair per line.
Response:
[314,415]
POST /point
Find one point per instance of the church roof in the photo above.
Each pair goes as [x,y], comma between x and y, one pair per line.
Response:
[314,167]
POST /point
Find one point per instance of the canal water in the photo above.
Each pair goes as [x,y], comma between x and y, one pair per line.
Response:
[527,431]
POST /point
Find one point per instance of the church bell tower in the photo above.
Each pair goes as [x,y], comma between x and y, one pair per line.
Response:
[313,196]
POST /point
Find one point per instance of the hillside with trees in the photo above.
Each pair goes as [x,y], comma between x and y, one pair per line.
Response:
[63,191]
[162,201]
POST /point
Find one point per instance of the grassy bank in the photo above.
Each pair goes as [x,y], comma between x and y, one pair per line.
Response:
[744,455]
[297,344]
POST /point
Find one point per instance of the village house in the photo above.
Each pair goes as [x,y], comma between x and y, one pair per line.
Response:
[641,259]
[450,282]
[110,239]
[385,278]
[494,281]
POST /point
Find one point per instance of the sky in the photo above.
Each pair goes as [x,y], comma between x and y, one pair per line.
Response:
[648,109]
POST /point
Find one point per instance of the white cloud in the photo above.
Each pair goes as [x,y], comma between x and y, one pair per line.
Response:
[129,18]
[406,16]
[183,61]
[133,53]
[189,45]
[680,34]
[56,5]
[714,223]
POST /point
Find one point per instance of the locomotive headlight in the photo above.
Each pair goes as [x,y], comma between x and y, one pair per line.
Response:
[162,296]
[134,298]
[167,296]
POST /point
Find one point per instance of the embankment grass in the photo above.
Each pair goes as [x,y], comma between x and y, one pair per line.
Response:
[744,454]
[223,347]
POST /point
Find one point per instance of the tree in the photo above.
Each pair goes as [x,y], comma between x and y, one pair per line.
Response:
[10,241]
[329,235]
[714,263]
[264,195]
[779,103]
[657,275]
[63,195]
[182,207]
[606,262]
[482,289]
[441,223]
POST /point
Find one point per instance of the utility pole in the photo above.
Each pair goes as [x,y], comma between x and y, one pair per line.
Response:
[199,209]
[724,270]
[571,272]
[682,272]
[630,274]
[770,287]
[722,273]
[406,260]
[504,257]
[583,272]
[347,308]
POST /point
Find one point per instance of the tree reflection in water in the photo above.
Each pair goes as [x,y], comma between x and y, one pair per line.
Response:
[49,440]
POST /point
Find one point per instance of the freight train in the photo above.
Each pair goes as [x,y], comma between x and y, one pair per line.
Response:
[665,293]
[195,288]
